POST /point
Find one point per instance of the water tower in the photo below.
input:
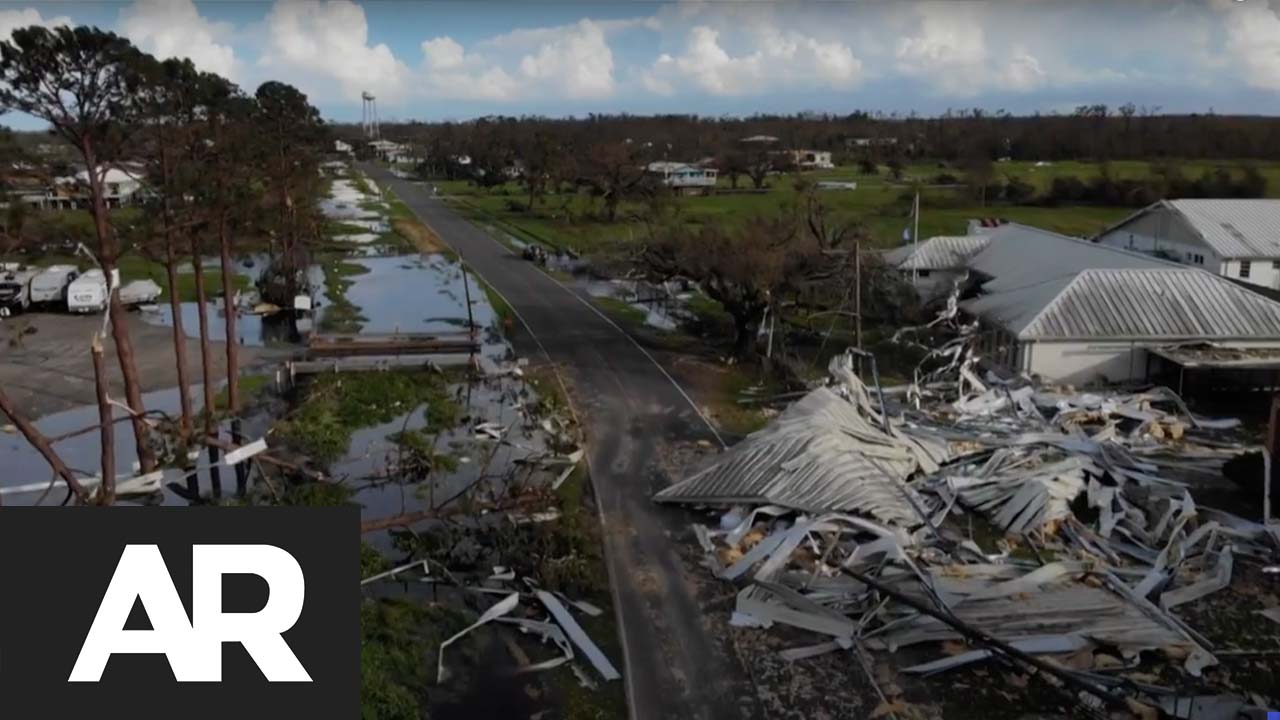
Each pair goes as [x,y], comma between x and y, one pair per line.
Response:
[369,114]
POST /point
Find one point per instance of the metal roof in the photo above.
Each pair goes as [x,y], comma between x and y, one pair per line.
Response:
[1234,228]
[1132,304]
[824,453]
[1019,256]
[944,252]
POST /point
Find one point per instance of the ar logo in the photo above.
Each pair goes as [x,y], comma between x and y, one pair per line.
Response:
[194,650]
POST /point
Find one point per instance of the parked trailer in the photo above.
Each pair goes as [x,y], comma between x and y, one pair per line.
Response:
[15,291]
[50,284]
[88,293]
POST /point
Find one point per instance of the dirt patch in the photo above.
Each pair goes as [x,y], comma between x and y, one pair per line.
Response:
[46,368]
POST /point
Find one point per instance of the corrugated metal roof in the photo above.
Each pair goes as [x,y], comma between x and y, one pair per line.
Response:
[1163,303]
[821,455]
[1235,228]
[944,252]
[1019,256]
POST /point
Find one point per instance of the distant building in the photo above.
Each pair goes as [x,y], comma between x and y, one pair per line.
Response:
[684,178]
[809,159]
[759,140]
[342,147]
[391,151]
[120,188]
[870,142]
[1239,239]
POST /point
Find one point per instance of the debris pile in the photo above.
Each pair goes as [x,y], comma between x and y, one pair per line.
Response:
[852,516]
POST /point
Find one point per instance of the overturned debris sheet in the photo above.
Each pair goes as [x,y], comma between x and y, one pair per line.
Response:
[829,452]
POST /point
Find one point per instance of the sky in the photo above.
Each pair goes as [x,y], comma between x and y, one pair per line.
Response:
[452,60]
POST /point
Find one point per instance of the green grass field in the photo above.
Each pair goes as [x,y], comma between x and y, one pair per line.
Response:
[880,206]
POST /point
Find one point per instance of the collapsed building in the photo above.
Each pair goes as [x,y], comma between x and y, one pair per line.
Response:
[850,517]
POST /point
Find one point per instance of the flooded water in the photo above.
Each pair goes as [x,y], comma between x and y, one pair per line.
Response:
[416,293]
[486,466]
[662,308]
[24,466]
[255,330]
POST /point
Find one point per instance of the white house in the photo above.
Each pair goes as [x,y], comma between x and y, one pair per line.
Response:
[810,159]
[682,177]
[1239,239]
[120,188]
[934,266]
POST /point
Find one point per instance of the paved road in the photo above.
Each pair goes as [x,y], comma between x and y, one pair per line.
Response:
[673,668]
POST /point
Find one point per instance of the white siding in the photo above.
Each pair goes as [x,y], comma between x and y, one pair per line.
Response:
[1163,232]
[1261,272]
[1089,363]
[1085,363]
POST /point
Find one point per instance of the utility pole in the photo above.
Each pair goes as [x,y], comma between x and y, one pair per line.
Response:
[915,237]
[857,291]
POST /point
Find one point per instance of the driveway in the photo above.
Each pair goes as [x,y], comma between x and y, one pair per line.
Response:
[630,409]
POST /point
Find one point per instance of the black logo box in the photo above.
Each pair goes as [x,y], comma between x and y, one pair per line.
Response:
[56,565]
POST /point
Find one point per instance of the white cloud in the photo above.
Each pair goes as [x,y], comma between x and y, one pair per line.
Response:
[949,51]
[776,60]
[323,47]
[175,28]
[448,71]
[11,20]
[442,53]
[577,56]
[1253,40]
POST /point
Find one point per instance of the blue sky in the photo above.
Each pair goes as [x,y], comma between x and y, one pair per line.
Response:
[454,60]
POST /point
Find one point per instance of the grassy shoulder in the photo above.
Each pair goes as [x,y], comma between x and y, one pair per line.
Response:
[419,235]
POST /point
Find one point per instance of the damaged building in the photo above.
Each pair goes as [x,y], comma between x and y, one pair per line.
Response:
[847,526]
[1071,311]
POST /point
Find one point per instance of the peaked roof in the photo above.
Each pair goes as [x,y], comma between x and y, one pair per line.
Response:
[1020,255]
[1234,228]
[944,252]
[1132,304]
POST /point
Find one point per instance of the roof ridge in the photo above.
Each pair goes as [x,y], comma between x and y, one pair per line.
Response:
[1057,298]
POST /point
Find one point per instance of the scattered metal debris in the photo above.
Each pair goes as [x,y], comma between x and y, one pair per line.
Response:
[851,517]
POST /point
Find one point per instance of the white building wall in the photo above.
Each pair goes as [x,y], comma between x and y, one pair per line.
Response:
[1264,272]
[1084,363]
[1164,233]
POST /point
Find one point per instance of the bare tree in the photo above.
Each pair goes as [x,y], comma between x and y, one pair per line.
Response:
[82,82]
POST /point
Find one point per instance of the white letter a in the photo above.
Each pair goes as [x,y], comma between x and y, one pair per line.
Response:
[141,574]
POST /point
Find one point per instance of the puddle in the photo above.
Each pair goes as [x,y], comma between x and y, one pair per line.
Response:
[412,293]
[485,467]
[23,465]
[662,309]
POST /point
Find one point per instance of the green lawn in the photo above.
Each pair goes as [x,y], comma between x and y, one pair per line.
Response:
[882,208]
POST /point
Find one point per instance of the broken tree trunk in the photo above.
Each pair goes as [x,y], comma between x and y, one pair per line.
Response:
[206,358]
[233,347]
[108,434]
[119,330]
[175,302]
[42,445]
[179,337]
